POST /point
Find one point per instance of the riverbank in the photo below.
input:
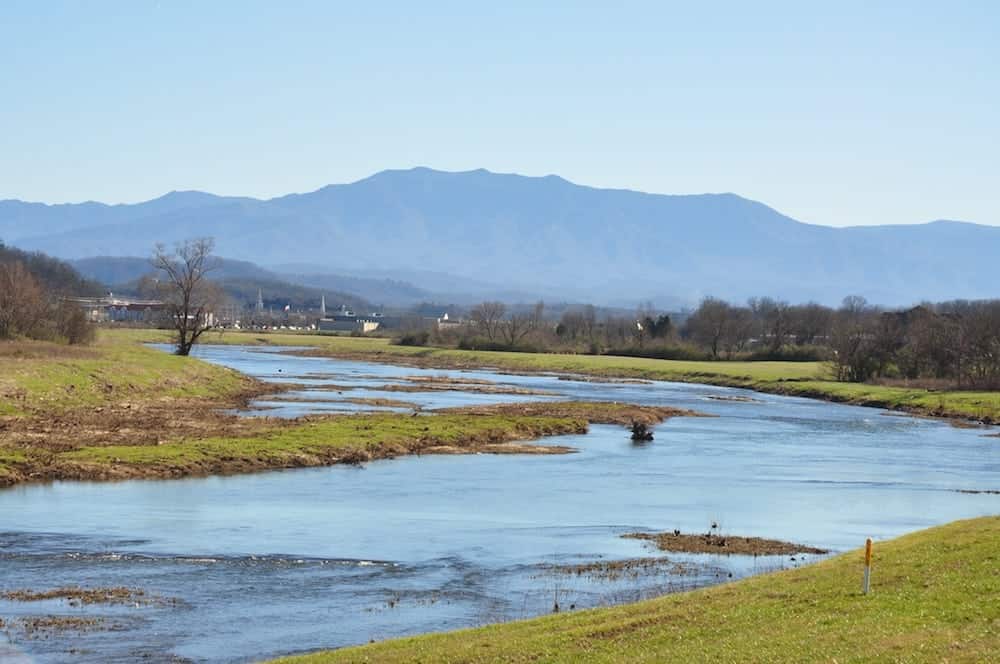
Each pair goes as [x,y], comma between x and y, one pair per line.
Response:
[119,410]
[801,379]
[935,597]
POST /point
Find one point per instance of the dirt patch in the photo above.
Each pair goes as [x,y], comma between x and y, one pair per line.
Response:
[595,412]
[326,387]
[448,380]
[127,423]
[634,568]
[360,401]
[380,402]
[575,378]
[36,627]
[678,542]
[732,398]
[77,596]
[478,388]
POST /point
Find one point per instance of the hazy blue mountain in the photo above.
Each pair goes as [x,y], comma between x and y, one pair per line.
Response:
[240,280]
[540,235]
[120,269]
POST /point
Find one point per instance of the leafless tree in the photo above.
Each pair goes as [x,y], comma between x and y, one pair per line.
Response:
[772,316]
[522,324]
[22,301]
[184,288]
[710,323]
[738,330]
[810,323]
[487,317]
[851,340]
[589,322]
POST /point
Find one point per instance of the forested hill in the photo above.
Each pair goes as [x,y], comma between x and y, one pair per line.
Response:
[55,275]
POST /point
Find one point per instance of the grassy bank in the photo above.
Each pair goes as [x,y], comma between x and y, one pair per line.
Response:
[218,444]
[118,410]
[39,378]
[807,379]
[302,443]
[936,597]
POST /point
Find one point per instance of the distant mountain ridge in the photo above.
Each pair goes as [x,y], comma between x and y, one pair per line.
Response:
[242,278]
[539,234]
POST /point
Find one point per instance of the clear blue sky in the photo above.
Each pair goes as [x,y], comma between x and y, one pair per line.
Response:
[849,113]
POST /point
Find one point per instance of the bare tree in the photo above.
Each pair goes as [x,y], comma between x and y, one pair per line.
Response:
[738,330]
[589,322]
[710,323]
[772,315]
[184,288]
[851,340]
[22,301]
[488,317]
[521,324]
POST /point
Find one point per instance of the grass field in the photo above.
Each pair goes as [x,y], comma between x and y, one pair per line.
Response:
[43,378]
[809,379]
[935,598]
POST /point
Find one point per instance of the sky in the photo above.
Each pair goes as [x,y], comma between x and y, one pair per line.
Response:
[840,113]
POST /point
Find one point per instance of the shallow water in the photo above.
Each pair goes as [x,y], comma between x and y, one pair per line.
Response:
[283,561]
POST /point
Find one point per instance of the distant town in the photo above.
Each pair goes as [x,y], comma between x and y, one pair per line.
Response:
[112,308]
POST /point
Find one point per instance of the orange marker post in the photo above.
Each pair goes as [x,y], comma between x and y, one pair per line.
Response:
[868,566]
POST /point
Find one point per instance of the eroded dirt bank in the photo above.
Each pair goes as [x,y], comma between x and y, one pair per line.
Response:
[182,442]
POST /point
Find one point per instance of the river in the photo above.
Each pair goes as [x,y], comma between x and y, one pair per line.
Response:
[246,567]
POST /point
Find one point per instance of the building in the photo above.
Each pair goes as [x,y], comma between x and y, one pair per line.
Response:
[346,320]
[443,322]
[118,309]
[112,309]
[347,324]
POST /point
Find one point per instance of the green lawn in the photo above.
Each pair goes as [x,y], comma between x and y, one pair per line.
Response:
[935,598]
[49,379]
[811,379]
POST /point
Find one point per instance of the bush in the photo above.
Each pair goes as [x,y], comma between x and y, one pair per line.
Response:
[413,338]
[72,325]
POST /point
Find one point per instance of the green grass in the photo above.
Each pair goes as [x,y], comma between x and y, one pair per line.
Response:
[740,373]
[810,379]
[50,379]
[935,597]
[307,443]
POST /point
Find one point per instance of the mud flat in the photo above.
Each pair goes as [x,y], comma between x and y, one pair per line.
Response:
[723,544]
[595,412]
[76,596]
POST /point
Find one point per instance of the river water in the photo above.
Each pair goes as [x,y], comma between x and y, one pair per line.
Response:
[253,566]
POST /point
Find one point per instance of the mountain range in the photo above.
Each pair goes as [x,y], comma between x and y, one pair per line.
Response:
[536,236]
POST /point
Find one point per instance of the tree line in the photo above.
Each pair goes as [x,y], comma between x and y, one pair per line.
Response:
[33,287]
[955,343]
